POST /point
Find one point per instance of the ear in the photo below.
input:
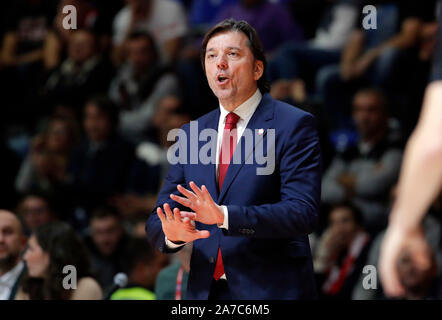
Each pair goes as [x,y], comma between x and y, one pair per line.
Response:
[258,69]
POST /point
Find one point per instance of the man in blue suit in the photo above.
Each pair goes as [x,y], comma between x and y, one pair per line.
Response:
[249,228]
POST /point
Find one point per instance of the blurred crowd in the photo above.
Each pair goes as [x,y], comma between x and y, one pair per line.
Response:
[86,112]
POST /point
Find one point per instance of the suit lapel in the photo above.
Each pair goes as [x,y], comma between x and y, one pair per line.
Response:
[259,120]
[209,170]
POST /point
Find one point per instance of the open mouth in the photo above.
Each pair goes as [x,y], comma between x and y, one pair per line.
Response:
[222,79]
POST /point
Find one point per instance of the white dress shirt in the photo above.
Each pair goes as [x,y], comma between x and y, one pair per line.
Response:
[245,112]
[8,280]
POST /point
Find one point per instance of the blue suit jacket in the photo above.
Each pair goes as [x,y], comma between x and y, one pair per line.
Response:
[266,252]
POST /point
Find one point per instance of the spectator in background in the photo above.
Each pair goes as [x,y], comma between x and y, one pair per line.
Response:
[50,248]
[151,164]
[431,227]
[164,19]
[27,26]
[22,58]
[374,56]
[418,284]
[12,244]
[171,283]
[44,168]
[295,61]
[143,265]
[99,167]
[107,243]
[363,174]
[9,167]
[140,83]
[272,21]
[82,74]
[59,37]
[203,12]
[341,253]
[35,210]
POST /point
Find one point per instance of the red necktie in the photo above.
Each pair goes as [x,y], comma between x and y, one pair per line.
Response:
[227,148]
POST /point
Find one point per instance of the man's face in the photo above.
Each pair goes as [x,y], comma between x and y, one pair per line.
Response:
[140,54]
[81,46]
[58,136]
[12,240]
[231,70]
[368,114]
[165,110]
[106,234]
[35,212]
[343,223]
[96,123]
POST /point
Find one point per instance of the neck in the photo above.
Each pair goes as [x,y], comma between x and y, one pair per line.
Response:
[375,137]
[230,105]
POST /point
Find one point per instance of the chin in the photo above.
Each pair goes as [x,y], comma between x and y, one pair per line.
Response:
[35,274]
[224,94]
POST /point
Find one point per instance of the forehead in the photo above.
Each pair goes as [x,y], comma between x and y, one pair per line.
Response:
[103,221]
[341,213]
[367,100]
[139,42]
[7,220]
[81,35]
[33,201]
[227,39]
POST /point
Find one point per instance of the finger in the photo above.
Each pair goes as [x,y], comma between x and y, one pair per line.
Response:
[420,252]
[387,266]
[391,283]
[190,215]
[202,234]
[169,214]
[161,215]
[185,202]
[206,194]
[190,195]
[176,214]
[189,223]
[197,190]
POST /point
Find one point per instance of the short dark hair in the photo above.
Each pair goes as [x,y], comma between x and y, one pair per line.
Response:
[254,44]
[136,35]
[138,251]
[105,211]
[107,106]
[379,94]
[356,212]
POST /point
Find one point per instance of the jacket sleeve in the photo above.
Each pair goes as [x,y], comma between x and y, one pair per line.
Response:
[296,214]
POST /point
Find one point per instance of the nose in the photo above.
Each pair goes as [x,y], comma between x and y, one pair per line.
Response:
[222,62]
[26,255]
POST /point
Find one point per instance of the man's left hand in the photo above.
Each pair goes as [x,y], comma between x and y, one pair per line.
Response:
[200,201]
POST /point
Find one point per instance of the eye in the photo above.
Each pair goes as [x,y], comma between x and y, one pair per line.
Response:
[210,56]
[233,54]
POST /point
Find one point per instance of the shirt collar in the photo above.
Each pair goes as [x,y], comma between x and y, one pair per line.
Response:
[11,276]
[244,110]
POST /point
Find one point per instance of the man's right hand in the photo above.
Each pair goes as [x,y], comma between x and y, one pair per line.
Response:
[178,229]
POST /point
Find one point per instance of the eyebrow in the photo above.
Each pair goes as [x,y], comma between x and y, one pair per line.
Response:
[229,48]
